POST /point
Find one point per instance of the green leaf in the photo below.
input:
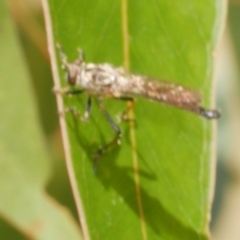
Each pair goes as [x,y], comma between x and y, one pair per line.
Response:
[24,162]
[156,185]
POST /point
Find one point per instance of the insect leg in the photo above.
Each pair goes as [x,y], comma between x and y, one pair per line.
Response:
[68,91]
[76,113]
[115,140]
[131,102]
[87,109]
[72,109]
[73,91]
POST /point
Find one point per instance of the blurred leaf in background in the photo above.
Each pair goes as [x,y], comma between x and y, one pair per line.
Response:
[226,209]
[31,31]
[25,166]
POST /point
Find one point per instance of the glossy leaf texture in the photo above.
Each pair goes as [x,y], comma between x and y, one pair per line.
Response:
[156,184]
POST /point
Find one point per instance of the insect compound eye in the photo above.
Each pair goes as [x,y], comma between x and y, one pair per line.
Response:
[72,74]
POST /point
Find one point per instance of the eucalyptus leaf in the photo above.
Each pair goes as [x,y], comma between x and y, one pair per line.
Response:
[157,183]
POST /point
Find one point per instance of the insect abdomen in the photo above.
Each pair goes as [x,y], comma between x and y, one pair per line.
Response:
[172,94]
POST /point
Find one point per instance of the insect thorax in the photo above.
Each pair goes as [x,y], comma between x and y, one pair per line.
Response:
[103,79]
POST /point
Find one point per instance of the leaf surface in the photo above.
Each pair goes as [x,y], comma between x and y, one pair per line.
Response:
[156,185]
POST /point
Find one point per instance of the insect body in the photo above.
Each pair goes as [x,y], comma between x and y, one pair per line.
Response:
[104,80]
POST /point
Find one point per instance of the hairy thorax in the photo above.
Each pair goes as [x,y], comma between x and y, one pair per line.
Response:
[103,79]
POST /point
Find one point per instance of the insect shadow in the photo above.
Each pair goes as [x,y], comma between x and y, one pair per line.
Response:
[121,179]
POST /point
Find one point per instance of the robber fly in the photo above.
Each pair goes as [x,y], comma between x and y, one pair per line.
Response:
[107,81]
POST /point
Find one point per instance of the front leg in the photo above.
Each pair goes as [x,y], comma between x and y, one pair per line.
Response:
[88,105]
[75,112]
[67,91]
